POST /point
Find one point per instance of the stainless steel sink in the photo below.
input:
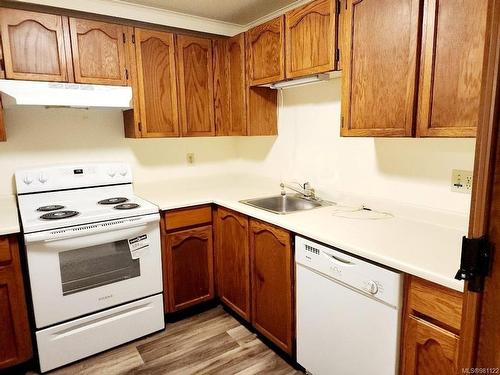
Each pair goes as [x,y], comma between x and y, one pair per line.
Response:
[284,204]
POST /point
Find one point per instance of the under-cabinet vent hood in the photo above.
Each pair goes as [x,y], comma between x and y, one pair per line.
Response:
[304,80]
[57,94]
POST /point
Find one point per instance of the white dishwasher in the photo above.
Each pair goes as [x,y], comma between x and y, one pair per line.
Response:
[348,313]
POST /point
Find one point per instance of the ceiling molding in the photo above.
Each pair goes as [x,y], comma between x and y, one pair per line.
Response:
[117,8]
[275,14]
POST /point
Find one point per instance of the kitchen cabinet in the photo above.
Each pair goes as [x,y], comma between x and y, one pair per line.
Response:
[98,52]
[380,68]
[195,79]
[187,250]
[233,261]
[230,86]
[266,52]
[311,38]
[432,320]
[453,51]
[35,46]
[272,276]
[157,83]
[262,111]
[15,336]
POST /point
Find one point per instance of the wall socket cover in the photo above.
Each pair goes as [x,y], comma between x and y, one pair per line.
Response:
[461,181]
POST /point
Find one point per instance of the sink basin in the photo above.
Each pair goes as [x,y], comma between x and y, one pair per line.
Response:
[285,204]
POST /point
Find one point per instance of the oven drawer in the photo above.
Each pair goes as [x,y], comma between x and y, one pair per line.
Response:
[71,341]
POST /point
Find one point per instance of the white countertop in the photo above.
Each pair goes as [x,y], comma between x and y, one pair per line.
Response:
[9,221]
[423,243]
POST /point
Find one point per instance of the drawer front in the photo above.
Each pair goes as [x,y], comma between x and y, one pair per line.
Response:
[435,301]
[5,254]
[188,217]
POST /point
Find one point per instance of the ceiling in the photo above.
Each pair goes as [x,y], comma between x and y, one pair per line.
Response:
[239,12]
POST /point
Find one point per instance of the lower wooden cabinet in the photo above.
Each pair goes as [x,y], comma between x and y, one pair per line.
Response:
[272,275]
[431,329]
[233,261]
[15,338]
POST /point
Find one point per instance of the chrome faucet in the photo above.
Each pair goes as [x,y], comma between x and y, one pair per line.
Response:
[305,190]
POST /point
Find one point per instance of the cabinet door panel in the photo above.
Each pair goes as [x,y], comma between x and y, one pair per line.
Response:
[272,283]
[189,258]
[266,52]
[33,45]
[233,261]
[452,65]
[98,52]
[155,56]
[196,96]
[429,349]
[380,70]
[311,38]
[15,337]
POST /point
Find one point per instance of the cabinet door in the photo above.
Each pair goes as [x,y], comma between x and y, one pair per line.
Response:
[156,73]
[98,52]
[429,349]
[380,70]
[189,267]
[196,94]
[33,45]
[233,261]
[15,337]
[311,38]
[266,52]
[230,86]
[272,283]
[451,68]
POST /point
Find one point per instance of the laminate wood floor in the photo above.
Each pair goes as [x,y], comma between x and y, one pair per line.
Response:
[212,342]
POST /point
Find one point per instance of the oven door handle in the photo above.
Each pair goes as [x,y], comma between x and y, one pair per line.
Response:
[87,230]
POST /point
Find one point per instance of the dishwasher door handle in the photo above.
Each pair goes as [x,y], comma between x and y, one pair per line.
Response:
[337,260]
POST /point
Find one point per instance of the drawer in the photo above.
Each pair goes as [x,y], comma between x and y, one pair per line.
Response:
[5,254]
[435,301]
[188,217]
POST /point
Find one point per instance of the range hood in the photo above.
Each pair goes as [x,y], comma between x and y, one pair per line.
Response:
[304,80]
[57,94]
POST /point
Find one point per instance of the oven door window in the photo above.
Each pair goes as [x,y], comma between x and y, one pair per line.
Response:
[91,267]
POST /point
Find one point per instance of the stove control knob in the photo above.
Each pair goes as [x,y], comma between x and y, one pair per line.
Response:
[372,287]
[42,178]
[123,172]
[111,173]
[27,180]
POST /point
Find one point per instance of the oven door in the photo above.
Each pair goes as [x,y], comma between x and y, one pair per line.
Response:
[78,270]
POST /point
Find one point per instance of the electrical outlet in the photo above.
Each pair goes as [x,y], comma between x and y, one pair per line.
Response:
[190,157]
[461,181]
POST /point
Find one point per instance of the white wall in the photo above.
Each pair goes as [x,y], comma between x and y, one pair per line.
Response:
[309,147]
[39,136]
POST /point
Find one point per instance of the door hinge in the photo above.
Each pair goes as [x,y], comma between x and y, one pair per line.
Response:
[139,125]
[126,73]
[133,38]
[124,38]
[475,262]
[339,5]
[337,54]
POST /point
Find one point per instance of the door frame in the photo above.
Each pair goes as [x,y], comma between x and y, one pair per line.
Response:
[484,169]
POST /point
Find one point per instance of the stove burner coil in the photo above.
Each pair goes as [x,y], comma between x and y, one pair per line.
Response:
[58,215]
[115,200]
[126,206]
[52,207]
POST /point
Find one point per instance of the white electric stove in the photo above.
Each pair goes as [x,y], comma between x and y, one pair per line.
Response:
[94,259]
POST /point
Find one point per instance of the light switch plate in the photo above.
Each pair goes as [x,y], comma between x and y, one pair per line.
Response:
[461,181]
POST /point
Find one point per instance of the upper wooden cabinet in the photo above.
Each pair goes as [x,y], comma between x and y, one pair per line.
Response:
[311,38]
[273,312]
[380,70]
[34,45]
[230,86]
[195,78]
[233,261]
[15,337]
[266,52]
[157,83]
[98,52]
[451,68]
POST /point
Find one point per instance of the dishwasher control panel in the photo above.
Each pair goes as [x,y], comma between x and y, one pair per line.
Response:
[355,273]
